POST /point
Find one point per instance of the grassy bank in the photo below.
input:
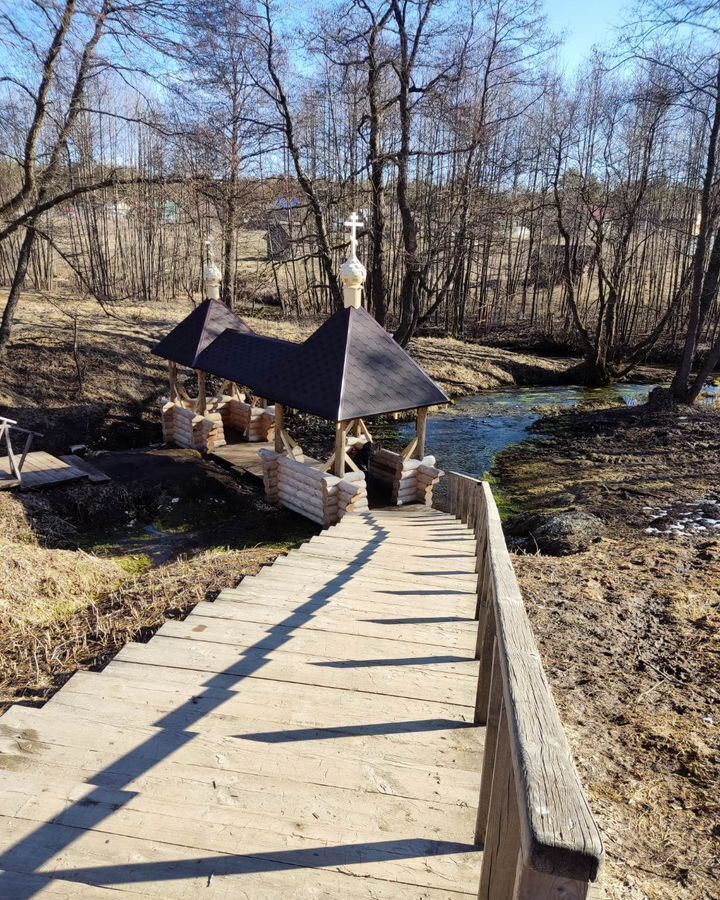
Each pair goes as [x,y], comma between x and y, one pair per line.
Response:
[628,633]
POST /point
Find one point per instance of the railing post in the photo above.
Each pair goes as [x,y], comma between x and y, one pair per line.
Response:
[484,652]
[532,885]
[491,733]
[502,840]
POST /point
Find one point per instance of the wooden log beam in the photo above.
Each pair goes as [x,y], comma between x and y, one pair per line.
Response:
[420,431]
[279,422]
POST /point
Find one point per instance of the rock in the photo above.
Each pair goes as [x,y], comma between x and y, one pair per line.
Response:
[564,533]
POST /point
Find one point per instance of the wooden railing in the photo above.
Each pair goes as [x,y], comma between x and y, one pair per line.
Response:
[6,426]
[540,839]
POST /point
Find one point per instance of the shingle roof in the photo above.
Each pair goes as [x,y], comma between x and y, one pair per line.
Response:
[349,368]
[247,358]
[197,331]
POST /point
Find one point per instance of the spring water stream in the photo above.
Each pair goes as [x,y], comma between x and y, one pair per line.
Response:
[466,436]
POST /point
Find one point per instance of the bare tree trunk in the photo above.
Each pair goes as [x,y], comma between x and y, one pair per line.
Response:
[16,289]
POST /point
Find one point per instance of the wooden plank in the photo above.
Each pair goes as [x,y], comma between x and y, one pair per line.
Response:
[323,647]
[313,705]
[40,469]
[82,465]
[279,589]
[336,574]
[174,870]
[531,885]
[28,884]
[412,681]
[132,750]
[497,877]
[436,630]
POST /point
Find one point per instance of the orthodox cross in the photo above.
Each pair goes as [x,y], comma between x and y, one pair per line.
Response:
[354,223]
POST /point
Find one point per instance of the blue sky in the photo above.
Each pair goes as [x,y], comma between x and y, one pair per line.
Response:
[586,22]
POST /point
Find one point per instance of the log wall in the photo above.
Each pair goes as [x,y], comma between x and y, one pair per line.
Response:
[306,490]
[186,428]
[411,480]
[255,423]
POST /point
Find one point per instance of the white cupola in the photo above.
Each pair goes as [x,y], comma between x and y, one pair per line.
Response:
[352,271]
[211,275]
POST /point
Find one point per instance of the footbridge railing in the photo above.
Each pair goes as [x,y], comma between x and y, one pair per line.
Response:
[540,839]
[6,427]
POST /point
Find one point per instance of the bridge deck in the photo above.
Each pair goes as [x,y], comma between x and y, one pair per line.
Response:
[307,735]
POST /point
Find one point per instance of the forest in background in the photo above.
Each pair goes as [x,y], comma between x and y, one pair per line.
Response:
[497,193]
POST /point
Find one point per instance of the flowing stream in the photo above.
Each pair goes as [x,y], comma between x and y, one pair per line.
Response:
[466,436]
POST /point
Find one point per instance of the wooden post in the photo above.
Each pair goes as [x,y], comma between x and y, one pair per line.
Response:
[502,841]
[491,733]
[420,430]
[201,404]
[172,377]
[279,426]
[339,461]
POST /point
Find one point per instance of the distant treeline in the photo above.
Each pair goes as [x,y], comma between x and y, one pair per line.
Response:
[496,193]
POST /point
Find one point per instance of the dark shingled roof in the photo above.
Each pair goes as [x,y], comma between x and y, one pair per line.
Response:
[247,358]
[197,331]
[349,368]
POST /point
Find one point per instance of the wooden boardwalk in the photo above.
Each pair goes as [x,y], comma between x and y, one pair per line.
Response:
[307,735]
[242,457]
[42,469]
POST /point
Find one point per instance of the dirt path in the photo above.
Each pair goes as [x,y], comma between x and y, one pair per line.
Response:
[628,632]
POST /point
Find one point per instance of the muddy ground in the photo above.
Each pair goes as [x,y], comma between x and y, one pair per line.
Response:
[628,631]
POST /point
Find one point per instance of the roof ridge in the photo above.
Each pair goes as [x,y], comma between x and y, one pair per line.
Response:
[345,359]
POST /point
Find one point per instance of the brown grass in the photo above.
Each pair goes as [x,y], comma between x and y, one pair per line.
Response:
[38,654]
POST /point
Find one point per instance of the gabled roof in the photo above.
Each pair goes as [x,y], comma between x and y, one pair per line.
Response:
[349,368]
[197,331]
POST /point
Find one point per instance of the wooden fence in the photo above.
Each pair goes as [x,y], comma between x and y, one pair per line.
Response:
[540,839]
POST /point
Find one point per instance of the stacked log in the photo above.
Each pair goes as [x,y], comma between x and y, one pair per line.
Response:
[385,466]
[412,480]
[184,428]
[270,467]
[352,494]
[235,413]
[427,477]
[255,423]
[261,424]
[300,487]
[208,432]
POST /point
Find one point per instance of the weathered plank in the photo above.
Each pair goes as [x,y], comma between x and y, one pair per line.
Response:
[307,735]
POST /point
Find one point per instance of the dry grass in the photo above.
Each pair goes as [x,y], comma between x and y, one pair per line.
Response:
[38,655]
[39,586]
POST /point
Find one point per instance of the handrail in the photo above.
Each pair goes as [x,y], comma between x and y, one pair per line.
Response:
[11,423]
[6,426]
[540,838]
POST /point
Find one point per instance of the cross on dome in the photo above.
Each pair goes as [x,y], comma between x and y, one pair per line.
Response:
[353,224]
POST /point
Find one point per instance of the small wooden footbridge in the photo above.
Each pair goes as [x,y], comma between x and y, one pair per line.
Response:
[366,718]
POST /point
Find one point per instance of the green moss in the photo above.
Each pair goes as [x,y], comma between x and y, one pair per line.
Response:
[135,565]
